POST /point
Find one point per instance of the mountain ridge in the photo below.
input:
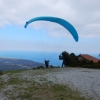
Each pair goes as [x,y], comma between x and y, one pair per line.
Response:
[17,64]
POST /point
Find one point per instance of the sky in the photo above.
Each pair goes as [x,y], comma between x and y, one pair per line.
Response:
[84,15]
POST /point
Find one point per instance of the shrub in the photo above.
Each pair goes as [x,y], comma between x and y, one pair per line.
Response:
[40,67]
[1,73]
[97,65]
[51,66]
[88,66]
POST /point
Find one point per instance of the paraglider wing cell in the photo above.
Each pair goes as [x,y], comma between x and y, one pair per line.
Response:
[60,21]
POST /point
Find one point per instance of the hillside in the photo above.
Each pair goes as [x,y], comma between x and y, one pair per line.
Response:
[17,64]
[51,84]
[38,84]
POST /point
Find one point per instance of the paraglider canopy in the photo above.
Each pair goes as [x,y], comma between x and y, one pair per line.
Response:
[60,21]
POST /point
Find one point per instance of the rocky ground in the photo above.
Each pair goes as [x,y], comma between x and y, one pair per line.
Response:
[87,81]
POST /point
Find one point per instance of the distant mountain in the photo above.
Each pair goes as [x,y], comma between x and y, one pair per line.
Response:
[17,64]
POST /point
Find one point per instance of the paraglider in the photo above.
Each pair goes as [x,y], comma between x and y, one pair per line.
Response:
[60,21]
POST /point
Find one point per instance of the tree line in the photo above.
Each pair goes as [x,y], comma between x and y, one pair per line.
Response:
[72,60]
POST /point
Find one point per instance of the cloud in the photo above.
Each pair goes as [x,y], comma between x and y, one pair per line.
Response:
[84,15]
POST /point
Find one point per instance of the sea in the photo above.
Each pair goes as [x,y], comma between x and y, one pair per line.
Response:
[53,57]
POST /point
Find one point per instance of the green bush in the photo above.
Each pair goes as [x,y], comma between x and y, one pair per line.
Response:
[40,67]
[1,73]
[88,66]
[51,66]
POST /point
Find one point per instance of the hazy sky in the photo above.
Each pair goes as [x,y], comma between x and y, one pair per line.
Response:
[84,15]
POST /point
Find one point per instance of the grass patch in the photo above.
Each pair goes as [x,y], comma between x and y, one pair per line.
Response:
[44,92]
[14,71]
[63,92]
